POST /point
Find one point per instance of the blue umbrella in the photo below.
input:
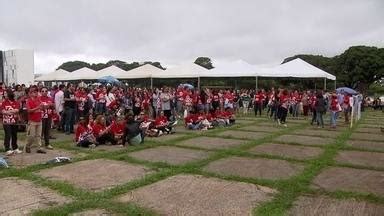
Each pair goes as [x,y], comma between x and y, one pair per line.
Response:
[346,90]
[109,79]
[187,85]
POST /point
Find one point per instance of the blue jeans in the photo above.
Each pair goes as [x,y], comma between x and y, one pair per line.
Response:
[319,119]
[69,120]
[334,116]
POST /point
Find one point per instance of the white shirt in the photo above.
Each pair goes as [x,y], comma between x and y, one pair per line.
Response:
[109,98]
[59,101]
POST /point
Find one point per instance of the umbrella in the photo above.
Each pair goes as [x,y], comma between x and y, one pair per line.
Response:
[346,90]
[187,85]
[108,79]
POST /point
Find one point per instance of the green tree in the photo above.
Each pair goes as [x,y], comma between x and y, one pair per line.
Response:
[73,65]
[360,66]
[204,62]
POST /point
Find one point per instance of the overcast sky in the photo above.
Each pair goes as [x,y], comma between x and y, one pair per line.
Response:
[177,31]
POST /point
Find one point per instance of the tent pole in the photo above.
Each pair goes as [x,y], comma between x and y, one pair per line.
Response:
[151,83]
[256,82]
[198,83]
[335,83]
[325,83]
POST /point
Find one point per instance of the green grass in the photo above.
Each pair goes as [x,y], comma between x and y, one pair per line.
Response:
[288,189]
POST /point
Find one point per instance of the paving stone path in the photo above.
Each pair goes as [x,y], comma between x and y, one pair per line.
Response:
[255,167]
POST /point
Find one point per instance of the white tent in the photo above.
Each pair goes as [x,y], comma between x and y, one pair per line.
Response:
[82,74]
[111,71]
[190,70]
[58,75]
[237,68]
[296,68]
[144,71]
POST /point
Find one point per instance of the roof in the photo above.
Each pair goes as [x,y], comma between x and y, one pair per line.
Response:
[297,68]
[190,70]
[56,75]
[82,74]
[144,71]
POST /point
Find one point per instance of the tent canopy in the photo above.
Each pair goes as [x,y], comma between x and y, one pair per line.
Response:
[57,75]
[110,71]
[190,70]
[296,68]
[145,71]
[237,68]
[82,74]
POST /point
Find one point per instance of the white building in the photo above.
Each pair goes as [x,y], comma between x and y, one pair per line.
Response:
[18,67]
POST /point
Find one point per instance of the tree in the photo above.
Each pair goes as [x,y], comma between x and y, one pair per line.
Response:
[74,65]
[204,62]
[360,66]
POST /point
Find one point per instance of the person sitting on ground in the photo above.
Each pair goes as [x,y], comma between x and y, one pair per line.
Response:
[162,125]
[102,132]
[83,135]
[117,129]
[132,132]
[192,121]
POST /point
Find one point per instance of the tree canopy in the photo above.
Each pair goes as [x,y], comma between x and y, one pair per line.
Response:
[75,65]
[204,62]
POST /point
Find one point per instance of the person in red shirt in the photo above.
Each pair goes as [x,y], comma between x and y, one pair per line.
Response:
[283,107]
[34,108]
[334,108]
[258,102]
[117,129]
[9,109]
[102,132]
[47,112]
[83,135]
[346,108]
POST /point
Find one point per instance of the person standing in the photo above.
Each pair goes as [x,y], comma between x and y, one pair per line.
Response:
[166,98]
[47,111]
[34,107]
[59,102]
[9,109]
[69,109]
[320,109]
[334,108]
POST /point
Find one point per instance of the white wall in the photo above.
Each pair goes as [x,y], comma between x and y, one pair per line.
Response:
[19,67]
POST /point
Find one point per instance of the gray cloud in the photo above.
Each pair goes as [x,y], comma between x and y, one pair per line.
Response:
[173,31]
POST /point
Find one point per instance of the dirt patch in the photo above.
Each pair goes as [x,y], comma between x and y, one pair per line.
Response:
[254,168]
[312,206]
[243,134]
[371,145]
[108,148]
[171,155]
[96,174]
[349,179]
[198,195]
[93,212]
[24,159]
[260,128]
[211,143]
[372,159]
[20,197]
[293,151]
[318,132]
[165,138]
[304,140]
[367,136]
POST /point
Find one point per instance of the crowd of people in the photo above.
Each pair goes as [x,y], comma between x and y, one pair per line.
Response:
[118,115]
